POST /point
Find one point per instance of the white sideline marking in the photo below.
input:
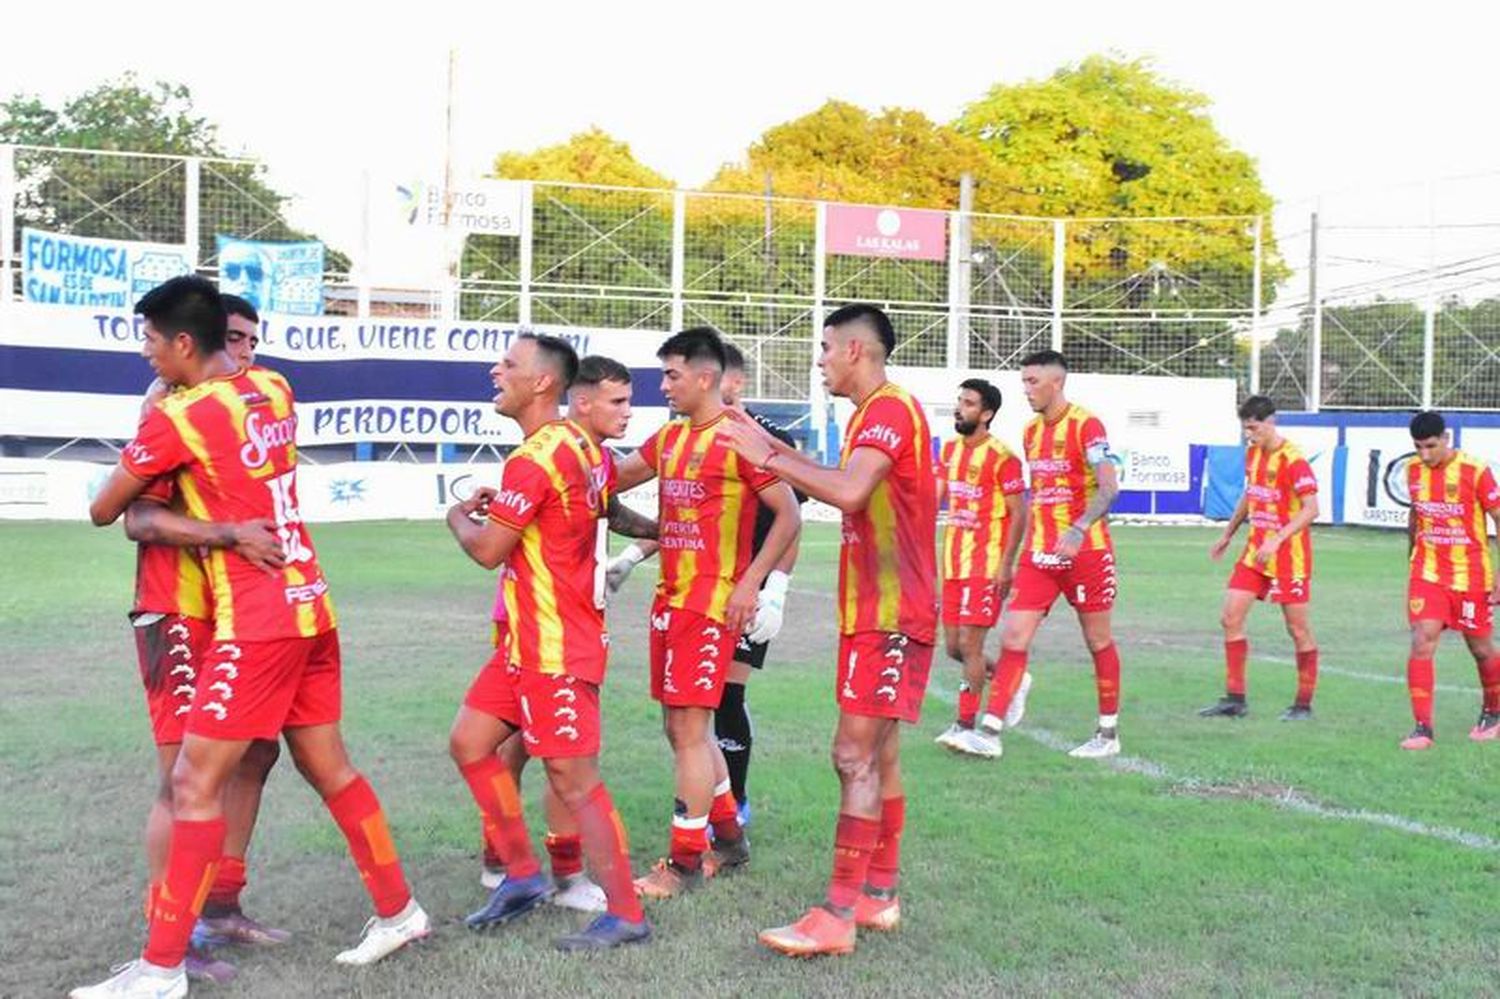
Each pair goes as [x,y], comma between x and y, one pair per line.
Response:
[1290,800]
[1352,674]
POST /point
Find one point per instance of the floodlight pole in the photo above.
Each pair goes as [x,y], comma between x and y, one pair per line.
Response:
[960,273]
[1255,293]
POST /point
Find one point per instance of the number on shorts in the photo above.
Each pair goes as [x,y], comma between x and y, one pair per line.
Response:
[1466,610]
[1081,594]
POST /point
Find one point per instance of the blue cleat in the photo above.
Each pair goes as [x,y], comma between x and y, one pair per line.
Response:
[744,813]
[514,898]
[605,932]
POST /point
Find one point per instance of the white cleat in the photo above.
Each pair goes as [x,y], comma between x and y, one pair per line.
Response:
[383,937]
[972,742]
[991,724]
[138,980]
[1017,709]
[578,892]
[951,733]
[1105,743]
[491,878]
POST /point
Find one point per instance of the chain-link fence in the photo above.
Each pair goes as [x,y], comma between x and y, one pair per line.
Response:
[1397,306]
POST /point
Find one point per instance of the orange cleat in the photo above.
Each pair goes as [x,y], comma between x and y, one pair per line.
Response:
[667,880]
[818,932]
[871,913]
[1420,738]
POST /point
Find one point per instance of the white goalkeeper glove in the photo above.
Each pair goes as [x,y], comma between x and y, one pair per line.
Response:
[770,608]
[620,566]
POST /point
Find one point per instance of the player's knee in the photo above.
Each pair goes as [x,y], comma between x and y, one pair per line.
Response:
[260,758]
[853,761]
[192,790]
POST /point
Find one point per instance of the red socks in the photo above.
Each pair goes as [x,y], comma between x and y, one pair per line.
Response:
[885,862]
[224,896]
[608,850]
[854,840]
[499,801]
[566,854]
[1307,677]
[968,706]
[1419,681]
[192,862]
[359,816]
[724,815]
[1236,651]
[689,841]
[1107,679]
[1009,672]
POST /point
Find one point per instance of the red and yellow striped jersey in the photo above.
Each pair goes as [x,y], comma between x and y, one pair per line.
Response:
[706,518]
[232,442]
[1062,457]
[1276,483]
[888,559]
[979,477]
[1452,545]
[554,490]
[168,579]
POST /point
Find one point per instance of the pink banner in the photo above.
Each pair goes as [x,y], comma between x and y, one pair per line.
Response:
[908,234]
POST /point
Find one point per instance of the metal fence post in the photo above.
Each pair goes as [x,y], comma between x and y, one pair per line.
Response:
[817,406]
[1429,307]
[1255,303]
[362,306]
[679,255]
[192,177]
[7,222]
[528,227]
[1315,343]
[1059,264]
[960,242]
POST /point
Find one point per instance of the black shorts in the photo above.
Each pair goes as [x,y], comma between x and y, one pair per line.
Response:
[752,654]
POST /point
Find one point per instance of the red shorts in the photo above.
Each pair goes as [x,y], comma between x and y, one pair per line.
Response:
[882,674]
[690,657]
[169,651]
[1087,582]
[1469,613]
[973,602]
[558,715]
[1274,589]
[254,690]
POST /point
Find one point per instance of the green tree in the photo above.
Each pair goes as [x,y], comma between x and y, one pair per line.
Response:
[124,197]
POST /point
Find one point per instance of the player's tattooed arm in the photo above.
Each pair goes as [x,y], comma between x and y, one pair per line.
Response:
[486,541]
[151,523]
[627,523]
[1104,498]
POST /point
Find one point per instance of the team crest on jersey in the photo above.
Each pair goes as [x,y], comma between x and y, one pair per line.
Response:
[694,463]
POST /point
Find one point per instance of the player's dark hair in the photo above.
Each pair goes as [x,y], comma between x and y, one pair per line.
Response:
[1045,359]
[234,305]
[597,368]
[1257,408]
[871,317]
[734,358]
[1427,424]
[701,343]
[989,395]
[187,304]
[559,354]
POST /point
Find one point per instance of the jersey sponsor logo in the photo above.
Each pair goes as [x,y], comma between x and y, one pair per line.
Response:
[1434,508]
[879,433]
[266,435]
[1051,466]
[305,593]
[1305,482]
[1263,494]
[138,453]
[513,500]
[965,490]
[683,490]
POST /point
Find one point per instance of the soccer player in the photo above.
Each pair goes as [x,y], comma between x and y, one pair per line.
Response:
[732,726]
[544,524]
[1452,583]
[172,617]
[705,596]
[1281,502]
[273,666]
[985,488]
[1067,552]
[599,402]
[887,606]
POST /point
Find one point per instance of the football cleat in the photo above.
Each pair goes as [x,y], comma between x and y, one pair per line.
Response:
[817,932]
[1421,738]
[604,932]
[137,980]
[972,742]
[1017,709]
[579,892]
[1228,706]
[871,912]
[743,813]
[385,936]
[1297,712]
[202,966]
[1487,728]
[667,880]
[237,928]
[491,878]
[512,900]
[726,856]
[991,724]
[1105,743]
[948,736]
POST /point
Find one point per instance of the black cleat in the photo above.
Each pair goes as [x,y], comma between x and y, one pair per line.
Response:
[1229,706]
[1297,712]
